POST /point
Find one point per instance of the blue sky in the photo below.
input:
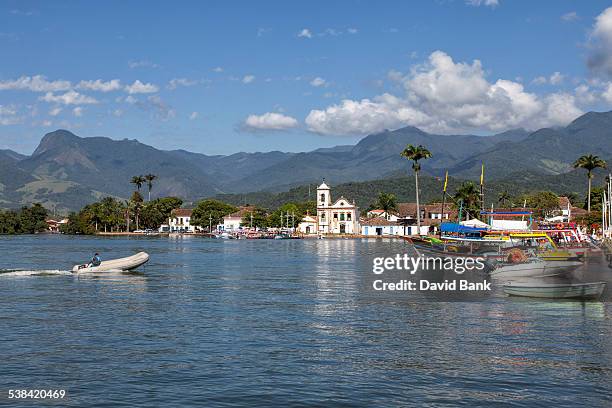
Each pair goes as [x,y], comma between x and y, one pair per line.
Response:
[222,77]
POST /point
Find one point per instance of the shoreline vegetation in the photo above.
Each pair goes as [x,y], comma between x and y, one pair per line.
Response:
[113,216]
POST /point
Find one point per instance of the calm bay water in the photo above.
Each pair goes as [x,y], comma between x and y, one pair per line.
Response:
[285,322]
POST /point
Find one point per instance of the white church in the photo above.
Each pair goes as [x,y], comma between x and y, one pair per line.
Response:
[339,217]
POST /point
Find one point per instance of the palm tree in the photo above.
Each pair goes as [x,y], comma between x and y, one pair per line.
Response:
[416,153]
[138,181]
[136,201]
[503,197]
[589,163]
[470,195]
[386,202]
[149,179]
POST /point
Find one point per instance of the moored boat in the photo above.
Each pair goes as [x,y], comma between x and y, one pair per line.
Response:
[592,290]
[534,267]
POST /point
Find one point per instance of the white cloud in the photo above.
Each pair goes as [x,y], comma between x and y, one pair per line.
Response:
[305,33]
[55,111]
[477,3]
[138,88]
[262,30]
[541,80]
[571,16]
[100,85]
[161,110]
[128,99]
[247,79]
[585,96]
[8,115]
[561,108]
[176,82]
[607,93]
[556,78]
[318,82]
[352,30]
[217,69]
[118,113]
[193,115]
[68,98]
[269,121]
[446,97]
[600,44]
[142,64]
[37,83]
[78,111]
[331,31]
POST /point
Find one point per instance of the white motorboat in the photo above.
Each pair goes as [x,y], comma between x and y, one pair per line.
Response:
[591,290]
[120,264]
[534,267]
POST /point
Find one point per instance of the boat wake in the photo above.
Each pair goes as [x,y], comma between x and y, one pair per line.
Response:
[6,273]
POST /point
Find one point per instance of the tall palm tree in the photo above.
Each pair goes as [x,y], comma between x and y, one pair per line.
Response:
[138,181]
[503,197]
[386,202]
[149,179]
[416,153]
[589,163]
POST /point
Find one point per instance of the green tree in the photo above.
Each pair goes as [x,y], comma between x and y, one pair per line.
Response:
[256,218]
[386,202]
[110,212]
[589,163]
[279,218]
[469,194]
[157,212]
[546,203]
[138,181]
[597,195]
[504,198]
[416,153]
[136,204]
[9,222]
[77,224]
[32,219]
[149,179]
[210,213]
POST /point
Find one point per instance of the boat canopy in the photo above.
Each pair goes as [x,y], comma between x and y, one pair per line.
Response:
[460,229]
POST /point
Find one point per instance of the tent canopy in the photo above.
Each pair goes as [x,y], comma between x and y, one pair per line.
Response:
[476,223]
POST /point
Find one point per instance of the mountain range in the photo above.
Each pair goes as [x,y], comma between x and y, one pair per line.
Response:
[66,171]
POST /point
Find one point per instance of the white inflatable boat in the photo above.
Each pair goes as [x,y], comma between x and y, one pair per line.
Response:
[121,264]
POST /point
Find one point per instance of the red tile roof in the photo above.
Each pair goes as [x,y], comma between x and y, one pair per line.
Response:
[409,209]
[242,211]
[377,221]
[182,212]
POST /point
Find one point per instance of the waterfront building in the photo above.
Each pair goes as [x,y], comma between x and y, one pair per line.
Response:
[233,221]
[180,221]
[378,226]
[55,225]
[308,225]
[335,217]
[431,217]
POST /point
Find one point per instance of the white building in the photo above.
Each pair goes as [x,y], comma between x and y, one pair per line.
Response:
[180,221]
[339,217]
[378,226]
[308,225]
[233,221]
